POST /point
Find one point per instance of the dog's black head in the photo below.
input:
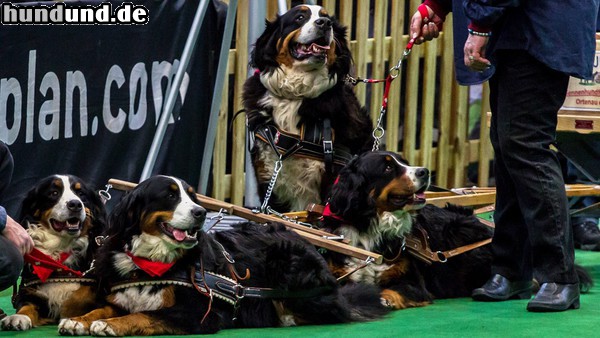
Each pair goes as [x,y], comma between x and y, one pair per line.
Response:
[377,182]
[161,215]
[66,207]
[306,37]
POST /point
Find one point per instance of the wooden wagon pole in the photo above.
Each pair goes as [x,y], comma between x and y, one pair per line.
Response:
[314,236]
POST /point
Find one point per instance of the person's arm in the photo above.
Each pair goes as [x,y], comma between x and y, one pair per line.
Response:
[427,21]
[15,233]
[483,14]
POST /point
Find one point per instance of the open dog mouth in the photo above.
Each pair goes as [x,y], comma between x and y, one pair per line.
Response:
[399,201]
[71,225]
[182,236]
[317,48]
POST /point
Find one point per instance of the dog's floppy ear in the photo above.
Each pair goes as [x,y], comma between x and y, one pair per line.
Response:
[28,206]
[265,49]
[349,197]
[342,51]
[124,220]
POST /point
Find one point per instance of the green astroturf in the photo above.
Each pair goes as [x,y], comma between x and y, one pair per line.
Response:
[445,318]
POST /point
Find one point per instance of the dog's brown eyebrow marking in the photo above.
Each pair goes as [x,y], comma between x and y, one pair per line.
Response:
[77,186]
[323,12]
[173,187]
[190,190]
[58,182]
[388,158]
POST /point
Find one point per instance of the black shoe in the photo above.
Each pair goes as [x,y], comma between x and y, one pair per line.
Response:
[499,288]
[586,236]
[555,297]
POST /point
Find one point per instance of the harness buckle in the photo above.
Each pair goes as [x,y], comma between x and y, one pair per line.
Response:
[328,147]
[239,292]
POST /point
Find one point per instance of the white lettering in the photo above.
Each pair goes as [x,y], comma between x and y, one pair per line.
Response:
[112,123]
[76,80]
[138,75]
[10,87]
[49,119]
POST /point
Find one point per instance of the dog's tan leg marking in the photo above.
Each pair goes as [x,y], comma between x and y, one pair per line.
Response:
[395,272]
[81,325]
[396,301]
[135,324]
[79,303]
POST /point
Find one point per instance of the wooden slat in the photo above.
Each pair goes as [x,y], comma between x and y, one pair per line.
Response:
[220,149]
[360,52]
[239,127]
[460,135]
[409,130]
[486,153]
[397,43]
[314,236]
[428,104]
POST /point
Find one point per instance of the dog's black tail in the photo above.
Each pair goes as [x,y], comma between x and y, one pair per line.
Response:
[585,279]
[364,302]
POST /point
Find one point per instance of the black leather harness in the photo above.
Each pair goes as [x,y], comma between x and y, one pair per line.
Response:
[316,141]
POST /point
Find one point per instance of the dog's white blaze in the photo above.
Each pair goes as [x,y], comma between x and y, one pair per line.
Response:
[60,211]
[57,294]
[136,299]
[307,32]
[182,217]
[411,172]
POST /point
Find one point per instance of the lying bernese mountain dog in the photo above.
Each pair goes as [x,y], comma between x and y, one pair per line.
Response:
[63,215]
[377,203]
[164,275]
[300,108]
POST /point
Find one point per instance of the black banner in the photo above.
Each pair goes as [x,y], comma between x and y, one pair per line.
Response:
[86,99]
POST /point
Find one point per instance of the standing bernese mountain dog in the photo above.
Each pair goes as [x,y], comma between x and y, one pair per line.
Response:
[300,108]
[164,275]
[63,215]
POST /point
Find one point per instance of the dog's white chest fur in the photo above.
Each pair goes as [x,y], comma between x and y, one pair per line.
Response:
[299,182]
[57,294]
[139,299]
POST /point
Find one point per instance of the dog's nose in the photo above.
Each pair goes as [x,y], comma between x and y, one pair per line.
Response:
[199,212]
[323,23]
[74,205]
[422,173]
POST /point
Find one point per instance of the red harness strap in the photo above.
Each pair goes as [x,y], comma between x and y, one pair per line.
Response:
[44,265]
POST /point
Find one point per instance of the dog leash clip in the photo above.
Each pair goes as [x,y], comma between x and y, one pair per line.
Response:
[104,194]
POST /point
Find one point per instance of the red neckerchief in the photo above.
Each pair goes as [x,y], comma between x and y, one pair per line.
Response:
[44,265]
[154,269]
[327,210]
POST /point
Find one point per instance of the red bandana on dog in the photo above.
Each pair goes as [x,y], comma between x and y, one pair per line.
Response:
[154,269]
[44,265]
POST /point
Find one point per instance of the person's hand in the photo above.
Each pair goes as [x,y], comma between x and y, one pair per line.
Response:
[19,236]
[474,50]
[425,27]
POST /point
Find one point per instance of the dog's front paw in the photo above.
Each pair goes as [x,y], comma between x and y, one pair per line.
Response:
[70,327]
[16,323]
[101,328]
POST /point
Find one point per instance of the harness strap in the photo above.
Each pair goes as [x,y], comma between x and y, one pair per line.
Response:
[287,144]
[418,246]
[328,151]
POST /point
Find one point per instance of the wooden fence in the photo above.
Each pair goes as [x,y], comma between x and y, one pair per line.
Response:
[425,99]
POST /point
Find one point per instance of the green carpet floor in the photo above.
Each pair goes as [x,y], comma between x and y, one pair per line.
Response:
[445,318]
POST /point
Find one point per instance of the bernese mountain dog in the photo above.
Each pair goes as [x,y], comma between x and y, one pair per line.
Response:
[164,275]
[300,109]
[63,215]
[377,202]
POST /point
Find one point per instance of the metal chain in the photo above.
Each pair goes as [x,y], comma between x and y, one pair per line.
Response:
[276,170]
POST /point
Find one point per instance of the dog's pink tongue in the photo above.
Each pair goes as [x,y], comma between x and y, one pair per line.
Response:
[179,235]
